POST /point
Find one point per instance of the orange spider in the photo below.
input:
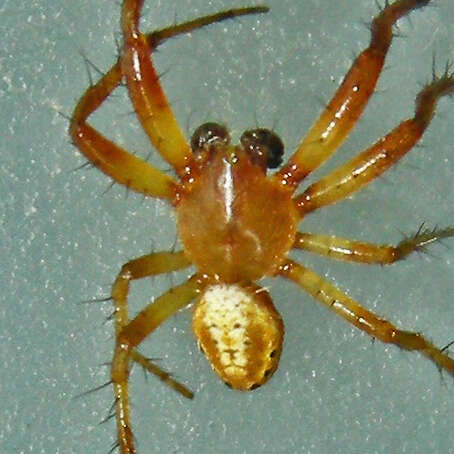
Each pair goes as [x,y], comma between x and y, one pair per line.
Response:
[236,223]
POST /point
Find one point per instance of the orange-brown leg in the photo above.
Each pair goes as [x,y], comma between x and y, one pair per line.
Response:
[371,163]
[116,162]
[363,319]
[151,264]
[146,93]
[361,252]
[148,265]
[113,160]
[344,110]
[130,333]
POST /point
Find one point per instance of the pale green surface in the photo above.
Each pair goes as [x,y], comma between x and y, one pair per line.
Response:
[63,241]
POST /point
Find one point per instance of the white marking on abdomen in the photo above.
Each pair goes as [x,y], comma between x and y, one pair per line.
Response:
[227,322]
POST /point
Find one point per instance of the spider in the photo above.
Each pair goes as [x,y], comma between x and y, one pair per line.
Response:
[236,222]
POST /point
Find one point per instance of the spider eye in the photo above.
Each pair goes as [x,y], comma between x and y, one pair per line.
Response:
[264,147]
[208,134]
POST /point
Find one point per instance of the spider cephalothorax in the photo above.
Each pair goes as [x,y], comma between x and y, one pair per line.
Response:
[221,211]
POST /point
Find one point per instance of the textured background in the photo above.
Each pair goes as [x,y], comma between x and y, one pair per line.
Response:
[63,239]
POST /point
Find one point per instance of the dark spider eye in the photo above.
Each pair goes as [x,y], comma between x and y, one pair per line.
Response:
[264,146]
[209,134]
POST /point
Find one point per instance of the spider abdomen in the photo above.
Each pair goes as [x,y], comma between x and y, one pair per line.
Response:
[240,332]
[234,223]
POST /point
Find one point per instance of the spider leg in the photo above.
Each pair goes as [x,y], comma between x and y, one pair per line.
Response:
[350,310]
[148,265]
[164,376]
[113,160]
[130,336]
[361,252]
[145,91]
[158,37]
[344,110]
[164,307]
[116,162]
[372,162]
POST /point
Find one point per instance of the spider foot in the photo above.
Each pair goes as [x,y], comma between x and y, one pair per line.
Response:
[427,98]
[421,239]
[159,36]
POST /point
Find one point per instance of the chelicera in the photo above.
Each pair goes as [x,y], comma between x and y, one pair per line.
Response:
[237,221]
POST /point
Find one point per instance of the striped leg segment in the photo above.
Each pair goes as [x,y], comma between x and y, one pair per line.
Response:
[144,88]
[350,310]
[344,110]
[361,252]
[370,164]
[113,160]
[164,307]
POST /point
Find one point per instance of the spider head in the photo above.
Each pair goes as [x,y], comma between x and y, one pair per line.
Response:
[262,146]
